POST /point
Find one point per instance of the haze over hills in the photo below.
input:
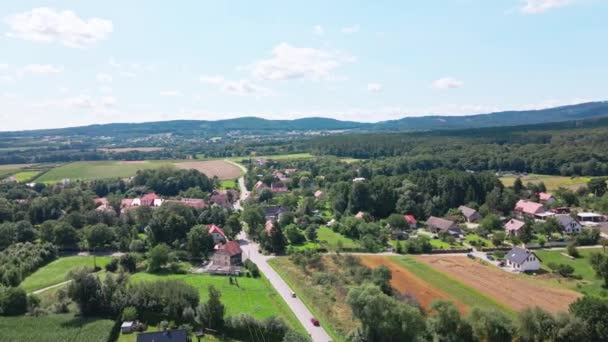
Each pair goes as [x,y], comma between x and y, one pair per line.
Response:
[254,125]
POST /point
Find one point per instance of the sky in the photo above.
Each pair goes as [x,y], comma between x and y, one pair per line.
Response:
[72,63]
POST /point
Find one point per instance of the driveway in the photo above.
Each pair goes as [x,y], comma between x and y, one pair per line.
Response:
[250,251]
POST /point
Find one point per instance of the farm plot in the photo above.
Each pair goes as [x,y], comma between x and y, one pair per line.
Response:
[511,290]
[52,327]
[408,283]
[551,182]
[131,149]
[223,170]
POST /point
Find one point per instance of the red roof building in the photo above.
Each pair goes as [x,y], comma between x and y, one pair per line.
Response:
[411,220]
[148,199]
[525,208]
[278,187]
[513,227]
[217,233]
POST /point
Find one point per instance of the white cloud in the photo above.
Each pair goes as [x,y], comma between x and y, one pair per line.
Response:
[42,69]
[108,101]
[128,74]
[215,79]
[447,83]
[238,87]
[318,29]
[540,6]
[105,89]
[48,25]
[82,102]
[170,93]
[374,87]
[103,78]
[351,29]
[3,66]
[290,62]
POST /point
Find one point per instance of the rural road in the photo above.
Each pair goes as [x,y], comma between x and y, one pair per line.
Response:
[250,251]
[243,188]
[51,287]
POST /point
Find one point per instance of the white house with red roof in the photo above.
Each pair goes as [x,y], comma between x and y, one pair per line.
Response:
[217,233]
[514,227]
[227,254]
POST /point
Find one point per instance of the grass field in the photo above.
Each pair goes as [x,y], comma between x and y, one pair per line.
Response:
[452,287]
[474,237]
[207,338]
[10,169]
[589,284]
[325,234]
[24,176]
[56,271]
[228,184]
[63,327]
[275,157]
[253,296]
[551,182]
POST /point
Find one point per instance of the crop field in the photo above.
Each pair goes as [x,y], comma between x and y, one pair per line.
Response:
[510,290]
[551,182]
[90,170]
[23,176]
[589,284]
[55,327]
[10,169]
[57,271]
[254,296]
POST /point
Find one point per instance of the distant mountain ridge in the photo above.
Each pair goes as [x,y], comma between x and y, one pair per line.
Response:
[255,125]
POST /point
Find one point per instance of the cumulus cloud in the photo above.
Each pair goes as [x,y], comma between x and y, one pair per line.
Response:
[540,6]
[103,78]
[170,93]
[374,87]
[351,29]
[318,29]
[238,87]
[48,25]
[290,62]
[447,83]
[41,69]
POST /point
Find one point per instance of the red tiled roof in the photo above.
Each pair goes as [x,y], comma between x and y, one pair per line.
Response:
[514,225]
[215,229]
[543,196]
[410,219]
[232,247]
[360,214]
[529,207]
[151,196]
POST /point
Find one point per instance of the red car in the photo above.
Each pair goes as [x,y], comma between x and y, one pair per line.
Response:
[315,322]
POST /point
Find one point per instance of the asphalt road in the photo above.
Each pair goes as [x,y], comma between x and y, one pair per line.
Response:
[250,251]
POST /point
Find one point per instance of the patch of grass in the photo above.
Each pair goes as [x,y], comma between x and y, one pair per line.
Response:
[63,327]
[474,237]
[439,244]
[275,157]
[331,238]
[228,184]
[551,182]
[24,176]
[254,296]
[589,284]
[456,289]
[90,170]
[57,271]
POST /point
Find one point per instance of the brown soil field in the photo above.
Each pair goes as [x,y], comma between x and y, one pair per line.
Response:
[223,170]
[408,283]
[509,289]
[130,149]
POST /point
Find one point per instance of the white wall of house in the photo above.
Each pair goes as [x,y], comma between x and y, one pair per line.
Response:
[530,264]
[573,228]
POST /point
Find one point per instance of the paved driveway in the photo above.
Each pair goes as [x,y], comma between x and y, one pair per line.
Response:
[250,251]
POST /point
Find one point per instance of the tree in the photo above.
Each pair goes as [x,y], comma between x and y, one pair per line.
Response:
[360,199]
[397,221]
[382,317]
[498,238]
[200,242]
[211,313]
[446,325]
[599,262]
[294,235]
[98,235]
[253,216]
[381,277]
[535,324]
[593,311]
[129,313]
[490,223]
[86,291]
[518,185]
[13,301]
[597,186]
[233,227]
[491,326]
[311,233]
[572,251]
[158,257]
[265,195]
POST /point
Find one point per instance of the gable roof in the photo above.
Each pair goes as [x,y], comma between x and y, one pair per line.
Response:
[260,185]
[564,219]
[231,248]
[466,211]
[360,215]
[441,223]
[543,196]
[410,219]
[215,229]
[150,197]
[514,225]
[529,207]
[274,210]
[518,255]
[175,335]
[318,193]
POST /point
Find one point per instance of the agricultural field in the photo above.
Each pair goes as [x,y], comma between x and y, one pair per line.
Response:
[589,284]
[254,296]
[55,327]
[24,176]
[10,169]
[508,290]
[57,271]
[551,182]
[275,157]
[130,149]
[90,170]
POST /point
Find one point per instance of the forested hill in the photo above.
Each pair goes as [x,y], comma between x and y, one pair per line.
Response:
[258,126]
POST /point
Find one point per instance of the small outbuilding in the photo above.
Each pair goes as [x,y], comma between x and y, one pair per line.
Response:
[127,327]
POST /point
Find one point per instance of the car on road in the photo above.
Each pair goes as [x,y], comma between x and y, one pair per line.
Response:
[315,322]
[490,256]
[293,295]
[470,256]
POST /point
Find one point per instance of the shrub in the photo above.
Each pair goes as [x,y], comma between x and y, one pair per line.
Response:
[129,314]
[572,251]
[22,259]
[252,268]
[13,301]
[112,266]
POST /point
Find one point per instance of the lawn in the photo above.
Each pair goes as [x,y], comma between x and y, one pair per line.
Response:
[439,244]
[589,284]
[551,182]
[325,234]
[253,296]
[228,184]
[9,169]
[24,176]
[474,237]
[63,327]
[57,271]
[452,287]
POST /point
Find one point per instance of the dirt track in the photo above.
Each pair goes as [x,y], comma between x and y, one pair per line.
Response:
[509,289]
[223,170]
[408,283]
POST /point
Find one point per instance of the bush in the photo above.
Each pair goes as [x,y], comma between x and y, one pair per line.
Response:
[128,263]
[129,314]
[137,246]
[13,301]
[22,259]
[572,251]
[112,266]
[252,268]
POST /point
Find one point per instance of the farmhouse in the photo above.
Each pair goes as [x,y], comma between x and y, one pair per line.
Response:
[522,260]
[411,221]
[278,187]
[514,227]
[470,214]
[217,233]
[174,335]
[438,224]
[228,254]
[530,209]
[569,225]
[546,198]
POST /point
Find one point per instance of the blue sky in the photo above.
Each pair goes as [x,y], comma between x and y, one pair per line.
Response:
[67,63]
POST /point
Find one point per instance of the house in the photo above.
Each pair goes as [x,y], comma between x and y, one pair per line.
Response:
[127,327]
[569,225]
[290,171]
[438,224]
[280,175]
[148,199]
[514,227]
[411,221]
[259,186]
[470,214]
[360,215]
[525,208]
[546,198]
[268,227]
[224,198]
[261,161]
[217,233]
[278,187]
[319,195]
[173,335]
[273,212]
[522,260]
[228,254]
[193,202]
